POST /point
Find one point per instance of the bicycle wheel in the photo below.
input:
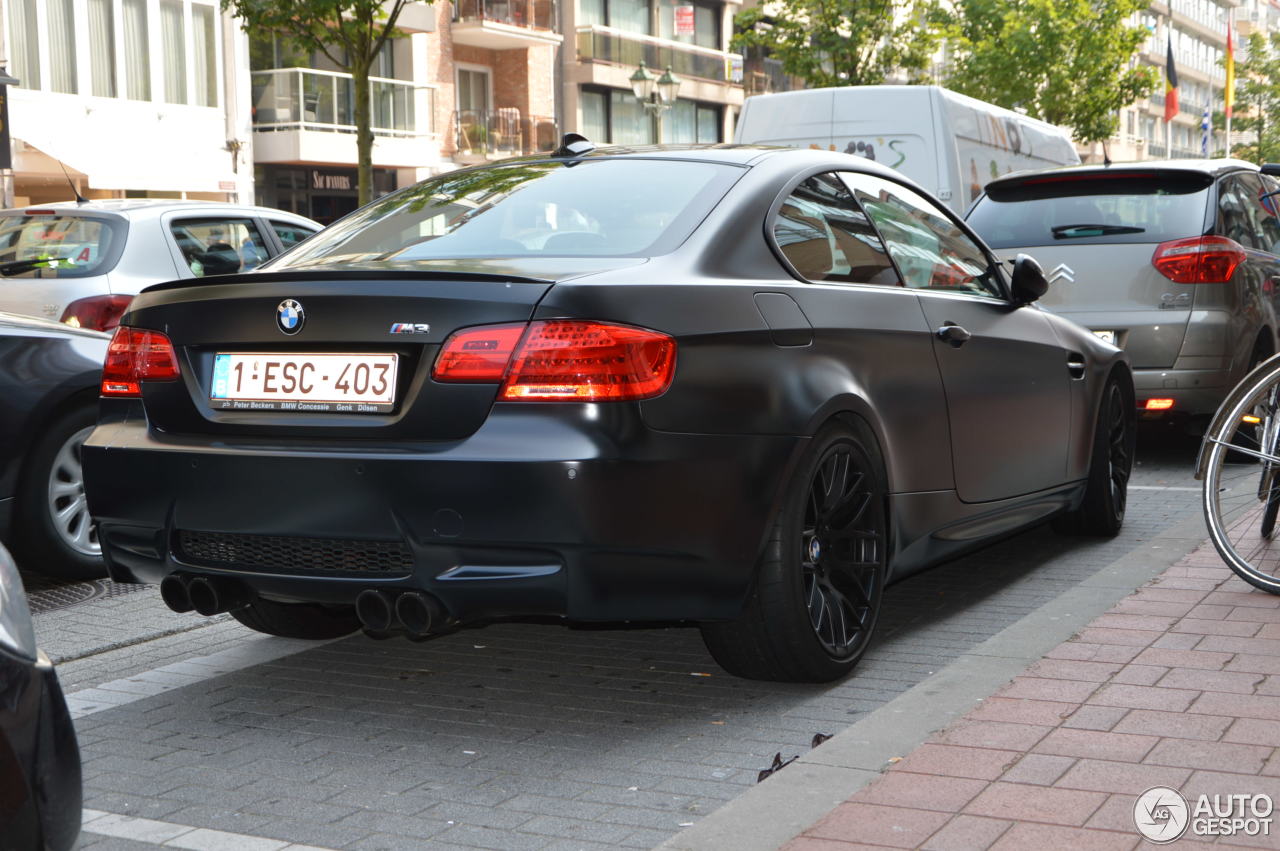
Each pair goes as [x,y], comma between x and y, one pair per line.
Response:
[1242,482]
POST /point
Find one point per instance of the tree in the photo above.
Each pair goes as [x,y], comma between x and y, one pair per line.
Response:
[1068,62]
[1257,104]
[843,42]
[349,32]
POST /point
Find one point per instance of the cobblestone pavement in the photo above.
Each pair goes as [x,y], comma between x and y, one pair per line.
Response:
[512,736]
[1178,686]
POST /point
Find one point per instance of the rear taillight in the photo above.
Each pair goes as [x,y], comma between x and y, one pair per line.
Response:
[1199,260]
[98,312]
[478,354]
[562,360]
[135,355]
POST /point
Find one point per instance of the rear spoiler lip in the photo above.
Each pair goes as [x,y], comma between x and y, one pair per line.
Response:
[349,275]
[1018,181]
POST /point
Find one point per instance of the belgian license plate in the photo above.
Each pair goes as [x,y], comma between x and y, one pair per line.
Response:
[324,383]
[1106,336]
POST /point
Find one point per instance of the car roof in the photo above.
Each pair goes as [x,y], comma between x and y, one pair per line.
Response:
[150,208]
[1213,168]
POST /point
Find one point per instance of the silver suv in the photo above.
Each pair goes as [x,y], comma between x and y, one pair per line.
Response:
[83,263]
[1174,261]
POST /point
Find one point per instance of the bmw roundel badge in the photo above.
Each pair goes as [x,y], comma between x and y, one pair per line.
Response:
[290,316]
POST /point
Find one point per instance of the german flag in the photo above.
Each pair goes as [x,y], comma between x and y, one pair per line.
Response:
[1170,85]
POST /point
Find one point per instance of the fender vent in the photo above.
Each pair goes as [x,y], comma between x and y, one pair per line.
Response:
[294,555]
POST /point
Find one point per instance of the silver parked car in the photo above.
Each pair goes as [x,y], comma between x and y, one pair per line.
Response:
[1174,261]
[82,263]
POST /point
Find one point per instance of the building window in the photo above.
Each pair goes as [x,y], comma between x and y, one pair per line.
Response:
[62,47]
[102,48]
[706,23]
[203,39]
[630,15]
[615,116]
[137,56]
[24,43]
[174,44]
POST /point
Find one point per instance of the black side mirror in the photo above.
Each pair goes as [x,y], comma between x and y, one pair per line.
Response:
[1272,169]
[1028,281]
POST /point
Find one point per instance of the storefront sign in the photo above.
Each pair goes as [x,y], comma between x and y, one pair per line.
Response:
[332,180]
[684,20]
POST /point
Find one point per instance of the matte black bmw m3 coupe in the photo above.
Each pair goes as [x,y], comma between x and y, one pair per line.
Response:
[742,387]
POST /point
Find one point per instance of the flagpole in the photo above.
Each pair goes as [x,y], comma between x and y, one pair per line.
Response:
[1228,91]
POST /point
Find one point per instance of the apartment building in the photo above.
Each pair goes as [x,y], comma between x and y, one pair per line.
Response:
[610,38]
[130,97]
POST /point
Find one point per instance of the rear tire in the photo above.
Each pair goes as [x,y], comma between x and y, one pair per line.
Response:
[53,533]
[821,577]
[1106,491]
[298,620]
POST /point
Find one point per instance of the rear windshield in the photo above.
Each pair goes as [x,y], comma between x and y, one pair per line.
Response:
[57,246]
[1112,208]
[592,208]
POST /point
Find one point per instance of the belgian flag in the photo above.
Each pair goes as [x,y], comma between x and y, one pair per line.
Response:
[1170,85]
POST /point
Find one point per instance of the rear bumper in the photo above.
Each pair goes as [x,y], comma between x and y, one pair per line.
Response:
[570,510]
[1193,391]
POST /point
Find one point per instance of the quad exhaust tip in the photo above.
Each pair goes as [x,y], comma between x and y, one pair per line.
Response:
[213,595]
[412,613]
[173,590]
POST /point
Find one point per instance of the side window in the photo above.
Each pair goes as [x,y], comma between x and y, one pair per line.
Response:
[290,235]
[824,235]
[932,252]
[1238,213]
[219,246]
[1264,210]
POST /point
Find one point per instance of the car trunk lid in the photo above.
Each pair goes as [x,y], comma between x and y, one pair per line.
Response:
[374,316]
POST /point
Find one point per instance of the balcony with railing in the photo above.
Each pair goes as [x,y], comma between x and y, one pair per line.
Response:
[766,76]
[303,114]
[619,47]
[505,24]
[483,134]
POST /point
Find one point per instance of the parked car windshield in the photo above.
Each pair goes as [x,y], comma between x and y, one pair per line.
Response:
[1152,206]
[595,208]
[49,245]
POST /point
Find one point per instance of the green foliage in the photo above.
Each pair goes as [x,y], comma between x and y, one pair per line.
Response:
[1257,106]
[349,32]
[1067,62]
[844,42]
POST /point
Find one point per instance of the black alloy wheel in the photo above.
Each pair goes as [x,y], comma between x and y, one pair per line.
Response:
[812,612]
[1120,449]
[841,552]
[1107,487]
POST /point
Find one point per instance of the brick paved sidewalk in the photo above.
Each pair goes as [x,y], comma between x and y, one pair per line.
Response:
[1177,685]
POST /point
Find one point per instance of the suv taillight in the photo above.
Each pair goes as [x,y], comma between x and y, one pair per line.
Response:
[1199,260]
[135,355]
[561,360]
[98,312]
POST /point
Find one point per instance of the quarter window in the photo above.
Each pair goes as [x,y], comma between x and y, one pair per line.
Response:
[219,246]
[289,235]
[931,250]
[826,237]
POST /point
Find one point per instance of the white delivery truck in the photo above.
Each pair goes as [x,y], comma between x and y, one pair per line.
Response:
[948,143]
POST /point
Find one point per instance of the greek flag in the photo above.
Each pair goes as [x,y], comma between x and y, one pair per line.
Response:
[1204,134]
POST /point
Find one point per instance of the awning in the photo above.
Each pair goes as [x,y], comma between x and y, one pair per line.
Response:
[127,144]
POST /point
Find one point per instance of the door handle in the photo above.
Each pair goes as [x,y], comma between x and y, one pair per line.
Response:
[953,334]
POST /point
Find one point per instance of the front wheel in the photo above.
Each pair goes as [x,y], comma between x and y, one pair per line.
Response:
[54,534]
[1110,465]
[821,578]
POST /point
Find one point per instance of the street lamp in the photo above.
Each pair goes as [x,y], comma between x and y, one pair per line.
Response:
[656,94]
